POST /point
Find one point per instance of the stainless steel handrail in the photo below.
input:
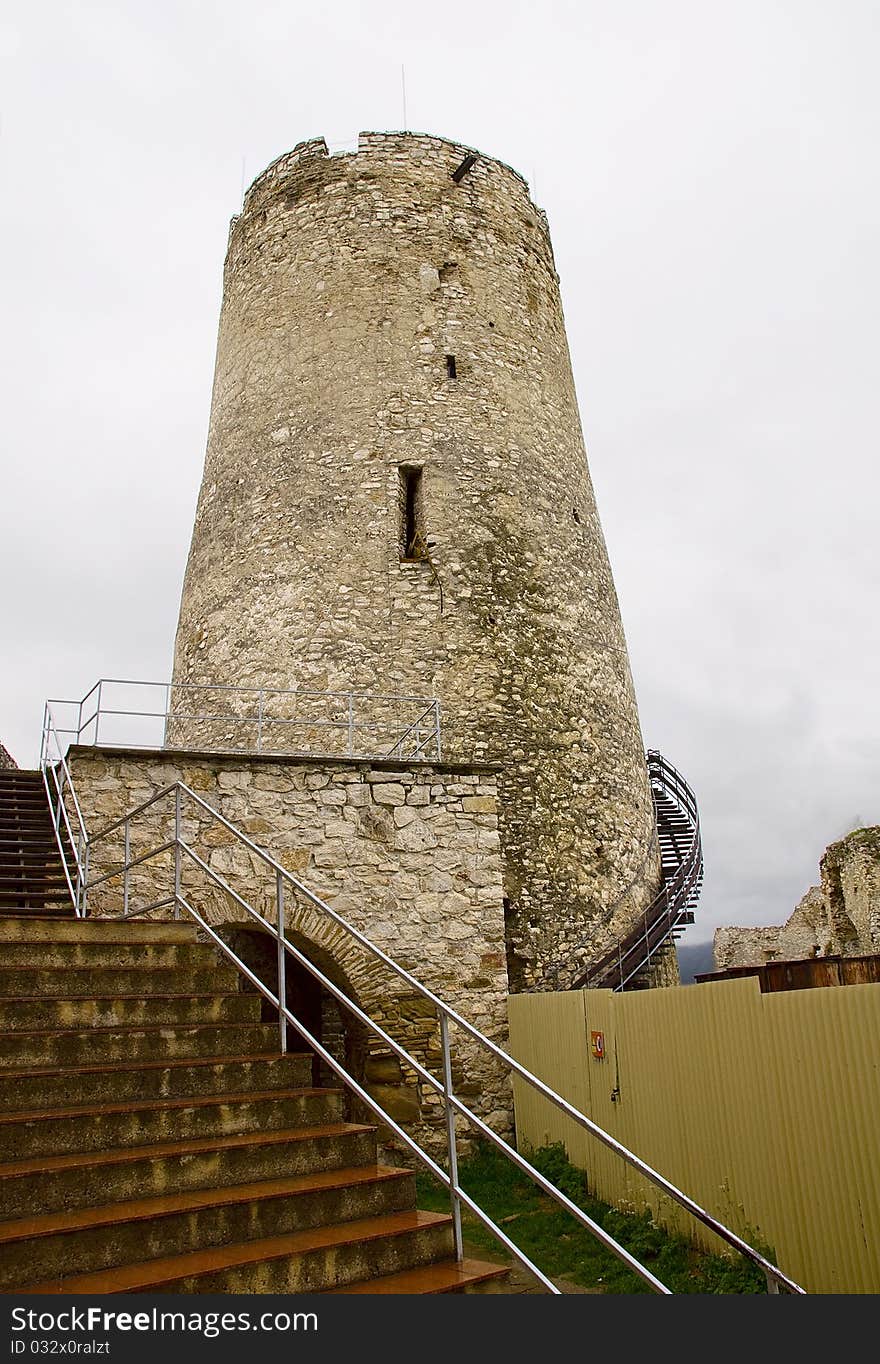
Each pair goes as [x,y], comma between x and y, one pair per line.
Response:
[446,1015]
[50,766]
[354,716]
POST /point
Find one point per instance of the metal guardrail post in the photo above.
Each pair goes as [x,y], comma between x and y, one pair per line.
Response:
[126,858]
[79,898]
[282,961]
[260,722]
[177,797]
[98,711]
[351,724]
[85,878]
[450,1138]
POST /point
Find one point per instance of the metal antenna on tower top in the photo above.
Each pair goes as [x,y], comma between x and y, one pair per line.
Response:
[403,89]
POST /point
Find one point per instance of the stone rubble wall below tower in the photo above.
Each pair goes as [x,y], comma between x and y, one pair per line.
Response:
[408,855]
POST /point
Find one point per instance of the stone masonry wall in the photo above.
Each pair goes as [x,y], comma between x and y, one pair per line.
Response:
[6,759]
[380,317]
[409,856]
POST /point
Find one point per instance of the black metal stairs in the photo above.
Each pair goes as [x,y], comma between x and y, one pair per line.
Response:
[32,878]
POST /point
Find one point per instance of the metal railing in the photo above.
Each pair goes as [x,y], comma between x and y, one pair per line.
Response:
[72,841]
[119,713]
[286,888]
[678,827]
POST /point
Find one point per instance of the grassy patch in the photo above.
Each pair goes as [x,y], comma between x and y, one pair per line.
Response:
[560,1247]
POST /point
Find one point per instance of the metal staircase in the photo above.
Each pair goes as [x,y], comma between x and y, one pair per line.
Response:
[32,870]
[627,964]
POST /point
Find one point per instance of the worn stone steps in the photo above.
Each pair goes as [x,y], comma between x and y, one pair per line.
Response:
[31,1014]
[57,928]
[153,1138]
[84,1178]
[298,1262]
[127,981]
[112,1235]
[56,1131]
[82,1046]
[71,1086]
[113,952]
[449,1276]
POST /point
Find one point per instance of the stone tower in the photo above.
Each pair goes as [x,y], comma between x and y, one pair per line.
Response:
[396,500]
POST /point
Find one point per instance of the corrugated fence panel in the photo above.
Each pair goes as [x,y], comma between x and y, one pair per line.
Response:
[825,1054]
[763,1108]
[550,1043]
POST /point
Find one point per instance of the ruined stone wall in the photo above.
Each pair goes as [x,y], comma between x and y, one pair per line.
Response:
[379,317]
[735,946]
[7,761]
[409,856]
[840,917]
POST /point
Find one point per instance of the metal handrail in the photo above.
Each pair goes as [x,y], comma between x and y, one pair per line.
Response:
[49,766]
[447,1016]
[665,912]
[349,706]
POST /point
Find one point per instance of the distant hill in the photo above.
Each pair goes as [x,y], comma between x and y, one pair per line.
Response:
[694,959]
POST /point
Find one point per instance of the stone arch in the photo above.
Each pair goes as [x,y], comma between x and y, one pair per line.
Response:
[362,977]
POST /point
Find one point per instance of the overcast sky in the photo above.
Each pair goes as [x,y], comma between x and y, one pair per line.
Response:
[710,172]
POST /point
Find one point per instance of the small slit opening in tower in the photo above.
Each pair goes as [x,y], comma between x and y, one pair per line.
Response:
[451,372]
[412,531]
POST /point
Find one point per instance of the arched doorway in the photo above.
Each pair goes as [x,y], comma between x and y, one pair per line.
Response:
[331,1023]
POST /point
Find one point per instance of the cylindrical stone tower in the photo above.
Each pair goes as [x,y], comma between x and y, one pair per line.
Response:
[396,500]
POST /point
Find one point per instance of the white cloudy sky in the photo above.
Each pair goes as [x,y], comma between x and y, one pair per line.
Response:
[710,171]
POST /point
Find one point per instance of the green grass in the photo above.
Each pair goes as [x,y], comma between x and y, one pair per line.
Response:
[560,1247]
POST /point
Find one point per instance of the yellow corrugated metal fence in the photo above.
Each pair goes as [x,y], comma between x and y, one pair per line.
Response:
[763,1108]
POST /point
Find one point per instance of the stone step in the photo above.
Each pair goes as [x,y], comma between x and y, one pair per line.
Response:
[59,1244]
[447,1276]
[110,951]
[101,1127]
[79,1012]
[299,1262]
[71,1087]
[58,928]
[52,1183]
[128,980]
[90,1046]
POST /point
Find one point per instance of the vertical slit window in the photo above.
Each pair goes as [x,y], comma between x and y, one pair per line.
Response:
[450,367]
[412,530]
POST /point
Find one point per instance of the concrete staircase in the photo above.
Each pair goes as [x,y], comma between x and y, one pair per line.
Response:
[152,1138]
